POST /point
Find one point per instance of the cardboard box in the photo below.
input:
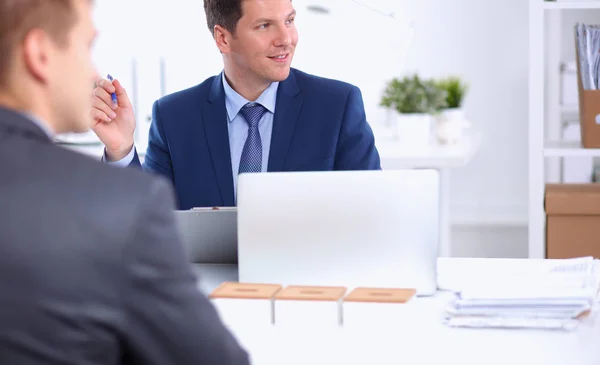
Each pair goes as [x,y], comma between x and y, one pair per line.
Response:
[572,220]
[589,111]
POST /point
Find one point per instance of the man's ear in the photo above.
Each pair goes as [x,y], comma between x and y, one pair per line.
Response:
[36,53]
[222,38]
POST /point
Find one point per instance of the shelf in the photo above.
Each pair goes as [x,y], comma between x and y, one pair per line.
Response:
[499,219]
[395,156]
[569,149]
[571,110]
[572,4]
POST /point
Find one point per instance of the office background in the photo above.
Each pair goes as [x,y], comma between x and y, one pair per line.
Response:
[156,47]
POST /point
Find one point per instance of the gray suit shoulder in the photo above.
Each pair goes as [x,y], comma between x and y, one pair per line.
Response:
[103,186]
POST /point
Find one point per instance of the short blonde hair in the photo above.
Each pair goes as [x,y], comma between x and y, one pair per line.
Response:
[19,17]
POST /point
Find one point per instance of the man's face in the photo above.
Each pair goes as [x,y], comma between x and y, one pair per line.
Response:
[265,40]
[73,74]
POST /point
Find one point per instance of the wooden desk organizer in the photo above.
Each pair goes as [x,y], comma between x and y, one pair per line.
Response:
[309,305]
[378,306]
[239,303]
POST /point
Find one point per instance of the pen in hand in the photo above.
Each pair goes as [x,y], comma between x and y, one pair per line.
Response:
[113,95]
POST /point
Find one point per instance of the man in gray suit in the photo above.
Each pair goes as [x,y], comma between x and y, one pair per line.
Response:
[91,268]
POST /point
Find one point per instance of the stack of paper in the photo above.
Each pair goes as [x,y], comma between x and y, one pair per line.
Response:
[552,299]
[588,49]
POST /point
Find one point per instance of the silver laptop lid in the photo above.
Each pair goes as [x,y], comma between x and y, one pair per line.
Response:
[349,228]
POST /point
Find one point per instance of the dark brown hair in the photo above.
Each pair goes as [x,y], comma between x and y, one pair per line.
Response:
[225,13]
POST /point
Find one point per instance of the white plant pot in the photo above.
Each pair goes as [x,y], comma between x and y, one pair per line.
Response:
[451,125]
[390,118]
[413,130]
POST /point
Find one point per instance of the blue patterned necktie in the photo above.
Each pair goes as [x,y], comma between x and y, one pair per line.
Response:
[251,160]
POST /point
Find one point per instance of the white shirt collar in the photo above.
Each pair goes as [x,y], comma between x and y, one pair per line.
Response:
[234,101]
[43,125]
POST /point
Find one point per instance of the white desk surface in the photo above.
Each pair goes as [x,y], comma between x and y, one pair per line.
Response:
[425,341]
[393,155]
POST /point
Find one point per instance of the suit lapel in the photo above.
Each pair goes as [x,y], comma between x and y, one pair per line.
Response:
[217,138]
[287,110]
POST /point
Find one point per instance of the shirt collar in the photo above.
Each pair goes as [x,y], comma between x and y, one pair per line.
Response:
[39,122]
[234,101]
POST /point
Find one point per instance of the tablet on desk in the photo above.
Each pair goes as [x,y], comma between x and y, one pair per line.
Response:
[209,234]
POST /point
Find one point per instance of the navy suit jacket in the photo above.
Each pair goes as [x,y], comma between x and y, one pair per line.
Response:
[319,125]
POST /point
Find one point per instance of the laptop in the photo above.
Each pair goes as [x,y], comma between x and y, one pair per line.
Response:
[209,234]
[340,228]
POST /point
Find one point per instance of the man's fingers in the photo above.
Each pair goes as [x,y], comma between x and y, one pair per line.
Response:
[99,116]
[102,106]
[104,96]
[106,85]
[122,97]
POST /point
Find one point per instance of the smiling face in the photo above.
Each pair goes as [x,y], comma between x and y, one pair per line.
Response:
[263,44]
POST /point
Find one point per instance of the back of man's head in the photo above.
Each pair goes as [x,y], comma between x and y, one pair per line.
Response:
[45,60]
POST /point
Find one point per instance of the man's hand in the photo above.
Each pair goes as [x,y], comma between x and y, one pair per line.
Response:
[114,123]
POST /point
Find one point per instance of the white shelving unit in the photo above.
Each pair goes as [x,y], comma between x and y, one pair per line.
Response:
[568,149]
[569,4]
[545,146]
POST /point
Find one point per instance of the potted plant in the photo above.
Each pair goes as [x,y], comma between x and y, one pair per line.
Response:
[451,122]
[412,102]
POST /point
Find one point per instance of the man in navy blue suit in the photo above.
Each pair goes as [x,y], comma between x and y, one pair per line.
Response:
[258,115]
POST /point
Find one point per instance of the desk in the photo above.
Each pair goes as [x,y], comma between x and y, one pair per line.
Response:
[425,341]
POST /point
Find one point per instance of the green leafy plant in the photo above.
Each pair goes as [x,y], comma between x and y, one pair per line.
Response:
[412,94]
[455,89]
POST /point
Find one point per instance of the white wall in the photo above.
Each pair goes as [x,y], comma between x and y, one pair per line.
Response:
[504,241]
[474,39]
[471,38]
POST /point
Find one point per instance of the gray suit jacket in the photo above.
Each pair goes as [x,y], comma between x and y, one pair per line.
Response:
[92,270]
